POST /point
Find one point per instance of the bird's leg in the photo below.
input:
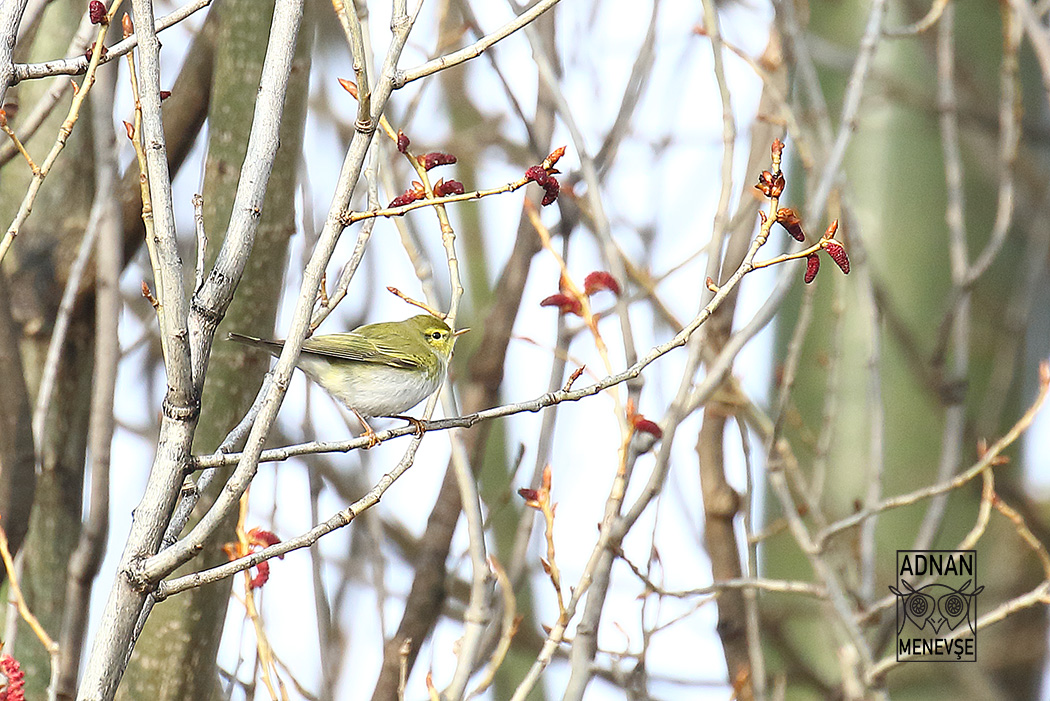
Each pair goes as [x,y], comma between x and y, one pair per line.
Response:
[373,440]
[420,429]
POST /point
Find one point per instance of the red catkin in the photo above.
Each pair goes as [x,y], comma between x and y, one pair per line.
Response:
[838,254]
[812,266]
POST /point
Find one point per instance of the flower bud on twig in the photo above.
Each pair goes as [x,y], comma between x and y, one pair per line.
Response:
[435,159]
[564,303]
[97,12]
[600,280]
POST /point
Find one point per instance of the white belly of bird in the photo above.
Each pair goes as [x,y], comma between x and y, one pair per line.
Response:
[389,390]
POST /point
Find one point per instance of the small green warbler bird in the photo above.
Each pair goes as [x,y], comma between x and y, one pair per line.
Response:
[378,369]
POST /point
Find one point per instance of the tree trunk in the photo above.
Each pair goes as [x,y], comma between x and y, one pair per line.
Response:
[176,656]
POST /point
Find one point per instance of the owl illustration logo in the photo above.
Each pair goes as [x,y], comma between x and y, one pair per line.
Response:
[936,605]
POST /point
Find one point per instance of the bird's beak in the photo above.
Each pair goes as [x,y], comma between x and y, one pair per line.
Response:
[460,332]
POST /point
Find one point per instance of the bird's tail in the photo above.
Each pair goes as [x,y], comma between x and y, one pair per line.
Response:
[271,346]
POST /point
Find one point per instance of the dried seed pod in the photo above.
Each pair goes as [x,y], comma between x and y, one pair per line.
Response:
[837,253]
[812,266]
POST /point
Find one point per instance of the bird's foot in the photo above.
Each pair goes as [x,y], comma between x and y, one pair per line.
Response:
[373,439]
[420,429]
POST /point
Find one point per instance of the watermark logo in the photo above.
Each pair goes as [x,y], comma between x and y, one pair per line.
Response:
[936,605]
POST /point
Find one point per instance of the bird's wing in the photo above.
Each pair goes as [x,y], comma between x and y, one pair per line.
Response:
[352,346]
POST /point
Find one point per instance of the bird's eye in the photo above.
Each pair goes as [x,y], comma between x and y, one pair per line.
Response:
[437,335]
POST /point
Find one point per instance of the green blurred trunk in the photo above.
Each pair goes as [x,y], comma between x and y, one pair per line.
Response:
[37,268]
[896,177]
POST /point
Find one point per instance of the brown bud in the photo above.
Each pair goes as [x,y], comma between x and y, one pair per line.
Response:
[778,185]
[402,141]
[528,494]
[770,185]
[554,157]
[348,85]
[126,25]
[765,181]
[787,218]
[832,228]
[91,49]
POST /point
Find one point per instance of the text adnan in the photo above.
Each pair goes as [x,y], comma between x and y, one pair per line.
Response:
[937,564]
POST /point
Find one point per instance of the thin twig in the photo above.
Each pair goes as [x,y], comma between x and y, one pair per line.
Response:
[988,458]
[476,49]
[23,609]
[921,25]
[79,95]
[508,627]
[80,64]
[201,239]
